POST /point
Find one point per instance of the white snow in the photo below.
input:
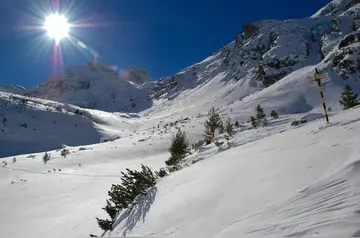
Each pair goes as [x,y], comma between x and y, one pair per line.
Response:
[279,180]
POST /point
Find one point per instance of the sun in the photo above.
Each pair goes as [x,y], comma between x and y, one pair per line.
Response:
[57,27]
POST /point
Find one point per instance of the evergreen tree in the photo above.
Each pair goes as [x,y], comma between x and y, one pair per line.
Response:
[264,122]
[133,184]
[229,128]
[274,114]
[221,127]
[161,173]
[64,152]
[253,121]
[260,73]
[349,99]
[105,225]
[110,209]
[46,157]
[237,124]
[178,149]
[260,116]
[212,123]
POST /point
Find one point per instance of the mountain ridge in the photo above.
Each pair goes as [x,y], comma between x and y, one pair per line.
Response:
[271,63]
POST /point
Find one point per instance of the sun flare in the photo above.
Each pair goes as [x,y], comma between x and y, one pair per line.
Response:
[57,27]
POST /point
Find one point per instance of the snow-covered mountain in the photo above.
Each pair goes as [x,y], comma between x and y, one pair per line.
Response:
[271,63]
[12,88]
[98,86]
[33,125]
[280,180]
[265,53]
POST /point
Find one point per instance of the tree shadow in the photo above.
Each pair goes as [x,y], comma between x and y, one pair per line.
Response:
[137,213]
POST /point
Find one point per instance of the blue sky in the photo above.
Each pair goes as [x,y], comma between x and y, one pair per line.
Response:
[162,36]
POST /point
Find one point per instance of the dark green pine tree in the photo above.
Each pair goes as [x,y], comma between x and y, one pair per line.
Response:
[260,72]
[221,127]
[274,114]
[110,209]
[254,122]
[229,128]
[237,124]
[178,149]
[349,99]
[105,225]
[212,123]
[46,157]
[260,116]
[264,122]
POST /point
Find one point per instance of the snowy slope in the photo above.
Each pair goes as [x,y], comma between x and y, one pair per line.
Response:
[12,88]
[97,86]
[34,125]
[273,181]
[304,186]
[271,62]
[278,181]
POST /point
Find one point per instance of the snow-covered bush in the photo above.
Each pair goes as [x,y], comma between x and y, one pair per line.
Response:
[65,152]
[274,114]
[46,157]
[161,173]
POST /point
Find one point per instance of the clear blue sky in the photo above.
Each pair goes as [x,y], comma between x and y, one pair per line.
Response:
[162,36]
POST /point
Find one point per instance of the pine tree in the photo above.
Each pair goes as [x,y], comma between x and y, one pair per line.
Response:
[105,225]
[133,184]
[178,149]
[221,127]
[260,73]
[349,99]
[161,173]
[264,122]
[46,157]
[211,124]
[110,209]
[237,124]
[229,128]
[274,114]
[260,116]
[64,152]
[253,121]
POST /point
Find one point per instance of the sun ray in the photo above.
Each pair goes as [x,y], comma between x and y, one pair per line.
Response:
[57,27]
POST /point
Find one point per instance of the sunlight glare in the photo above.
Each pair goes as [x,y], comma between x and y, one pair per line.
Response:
[57,27]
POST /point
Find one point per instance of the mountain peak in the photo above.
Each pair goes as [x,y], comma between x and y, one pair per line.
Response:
[335,8]
[98,86]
